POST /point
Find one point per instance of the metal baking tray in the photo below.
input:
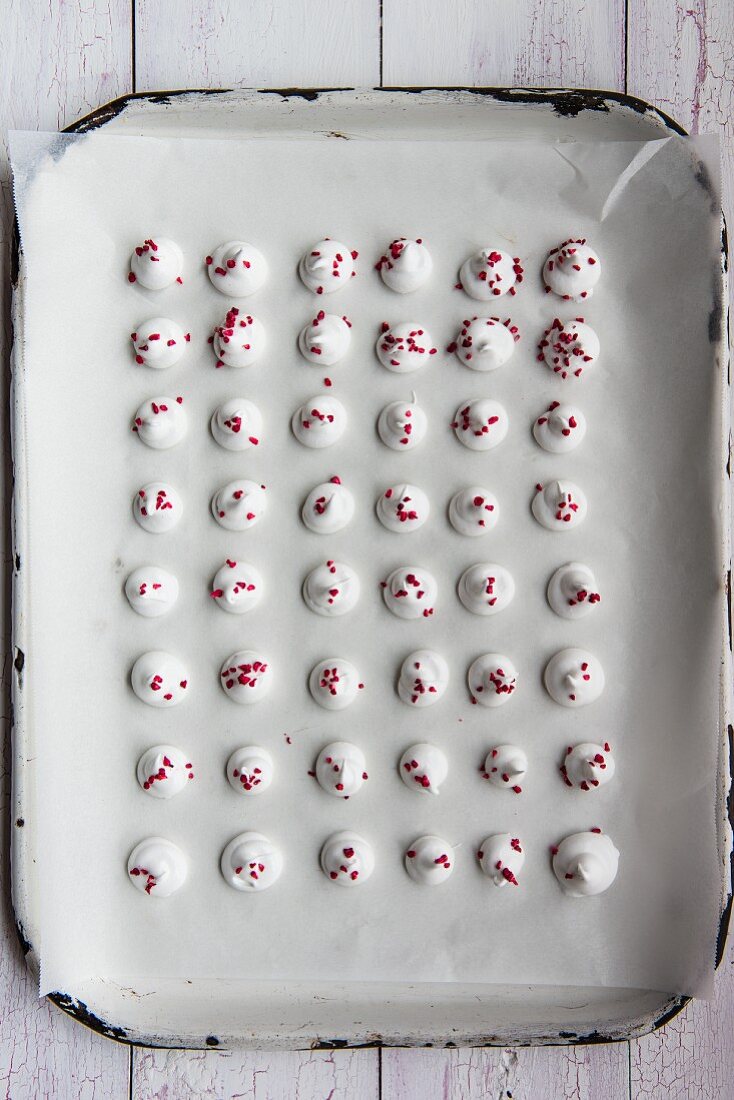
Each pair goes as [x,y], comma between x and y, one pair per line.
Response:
[289,1015]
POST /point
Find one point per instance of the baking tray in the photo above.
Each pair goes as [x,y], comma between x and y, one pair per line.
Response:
[284,1015]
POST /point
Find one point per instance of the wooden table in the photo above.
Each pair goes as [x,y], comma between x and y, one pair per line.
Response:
[63,58]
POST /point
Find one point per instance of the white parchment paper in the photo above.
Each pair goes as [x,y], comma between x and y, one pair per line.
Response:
[651,466]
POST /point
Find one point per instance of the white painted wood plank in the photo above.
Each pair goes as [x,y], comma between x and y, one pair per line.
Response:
[563,43]
[257,43]
[60,60]
[222,1075]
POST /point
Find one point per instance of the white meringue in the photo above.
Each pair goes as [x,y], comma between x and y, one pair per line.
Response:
[239,505]
[492,679]
[423,768]
[328,507]
[480,424]
[331,589]
[237,587]
[490,273]
[157,867]
[251,862]
[559,505]
[405,266]
[334,683]
[320,421]
[340,769]
[157,507]
[159,343]
[585,863]
[424,677]
[573,678]
[405,347]
[159,679]
[347,859]
[326,339]
[236,269]
[588,765]
[250,770]
[164,771]
[327,266]
[569,348]
[429,860]
[403,508]
[572,270]
[410,592]
[237,424]
[506,766]
[473,511]
[486,588]
[501,858]
[485,343]
[151,591]
[246,677]
[239,341]
[560,428]
[156,263]
[572,590]
[402,425]
[160,423]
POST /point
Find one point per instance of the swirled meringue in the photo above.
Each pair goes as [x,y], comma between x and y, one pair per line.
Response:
[347,859]
[573,678]
[340,769]
[151,591]
[319,422]
[424,677]
[157,507]
[569,348]
[560,428]
[251,862]
[405,266]
[410,592]
[239,341]
[490,273]
[403,508]
[326,339]
[160,423]
[402,425]
[250,770]
[501,858]
[157,867]
[473,511]
[328,507]
[159,343]
[405,347]
[480,424]
[334,683]
[506,766]
[246,676]
[331,589]
[559,505]
[572,590]
[327,266]
[237,424]
[486,588]
[485,343]
[429,860]
[239,505]
[585,863]
[588,765]
[236,269]
[159,679]
[237,587]
[492,679]
[423,768]
[164,771]
[572,270]
[156,263]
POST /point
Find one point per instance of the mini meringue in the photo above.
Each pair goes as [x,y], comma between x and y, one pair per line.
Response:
[237,587]
[347,859]
[250,770]
[569,348]
[585,863]
[334,683]
[485,343]
[239,341]
[405,347]
[486,588]
[251,862]
[402,425]
[410,592]
[151,591]
[473,511]
[328,507]
[423,768]
[572,270]
[246,677]
[340,769]
[506,766]
[327,266]
[326,339]
[560,428]
[331,589]
[405,266]
[236,269]
[574,678]
[490,273]
[501,858]
[239,505]
[157,507]
[160,423]
[156,263]
[424,677]
[237,424]
[320,421]
[159,679]
[492,679]
[157,867]
[559,505]
[480,424]
[403,508]
[429,860]
[588,765]
[159,343]
[164,771]
[572,590]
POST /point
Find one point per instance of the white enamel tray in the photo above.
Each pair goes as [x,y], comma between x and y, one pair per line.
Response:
[269,1014]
